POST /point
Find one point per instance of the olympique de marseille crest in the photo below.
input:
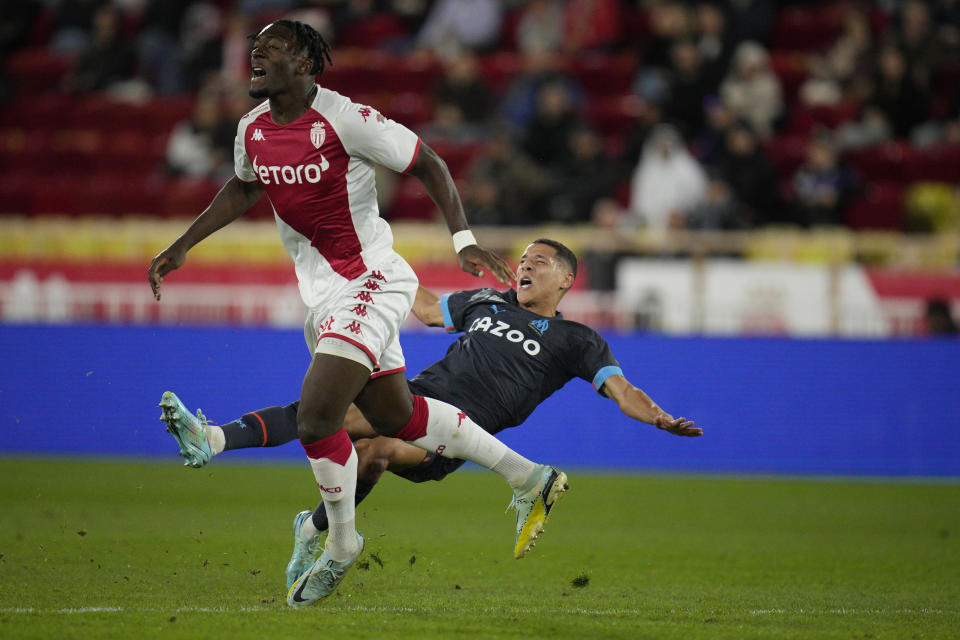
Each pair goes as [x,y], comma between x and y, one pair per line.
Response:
[318,133]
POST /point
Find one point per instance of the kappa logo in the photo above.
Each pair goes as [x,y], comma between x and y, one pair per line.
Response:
[365,112]
[355,327]
[318,133]
[540,326]
[257,136]
[360,310]
[366,297]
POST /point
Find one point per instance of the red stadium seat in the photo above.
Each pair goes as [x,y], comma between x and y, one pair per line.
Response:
[787,153]
[806,28]
[880,208]
[889,162]
[37,70]
[936,164]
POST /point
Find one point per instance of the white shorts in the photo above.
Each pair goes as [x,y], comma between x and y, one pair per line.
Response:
[362,323]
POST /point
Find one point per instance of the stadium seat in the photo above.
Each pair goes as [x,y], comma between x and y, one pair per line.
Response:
[802,28]
[37,70]
[881,207]
[888,162]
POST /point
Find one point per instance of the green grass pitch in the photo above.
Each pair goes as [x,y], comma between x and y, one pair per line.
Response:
[111,549]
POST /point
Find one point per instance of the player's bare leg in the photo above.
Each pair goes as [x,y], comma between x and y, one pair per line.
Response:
[329,386]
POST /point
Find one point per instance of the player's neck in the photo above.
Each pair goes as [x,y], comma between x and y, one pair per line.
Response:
[543,308]
[287,107]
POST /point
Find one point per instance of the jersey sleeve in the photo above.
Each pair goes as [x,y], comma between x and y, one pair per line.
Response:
[241,161]
[596,362]
[454,306]
[367,133]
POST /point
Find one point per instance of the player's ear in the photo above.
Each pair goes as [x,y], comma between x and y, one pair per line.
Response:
[567,281]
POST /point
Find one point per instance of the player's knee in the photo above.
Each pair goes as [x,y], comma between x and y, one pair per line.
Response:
[315,425]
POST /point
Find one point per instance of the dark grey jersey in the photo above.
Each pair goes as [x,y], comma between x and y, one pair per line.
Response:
[509,360]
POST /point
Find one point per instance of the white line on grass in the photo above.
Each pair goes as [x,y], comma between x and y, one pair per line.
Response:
[387,609]
[853,612]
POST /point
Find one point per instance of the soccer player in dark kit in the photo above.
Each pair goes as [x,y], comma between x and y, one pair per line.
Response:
[515,352]
[313,152]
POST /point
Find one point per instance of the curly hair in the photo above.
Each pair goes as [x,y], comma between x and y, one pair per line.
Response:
[308,38]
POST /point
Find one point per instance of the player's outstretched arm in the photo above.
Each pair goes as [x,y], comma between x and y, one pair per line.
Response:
[432,171]
[426,306]
[229,204]
[638,405]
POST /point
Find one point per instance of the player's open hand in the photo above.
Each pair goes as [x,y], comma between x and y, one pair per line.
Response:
[474,259]
[678,426]
[166,261]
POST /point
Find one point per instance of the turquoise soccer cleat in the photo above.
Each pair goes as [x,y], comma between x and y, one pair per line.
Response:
[190,432]
[321,579]
[533,503]
[304,550]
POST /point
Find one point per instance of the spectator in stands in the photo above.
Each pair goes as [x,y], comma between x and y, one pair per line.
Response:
[463,86]
[74,24]
[668,22]
[751,90]
[586,174]
[520,101]
[870,129]
[449,125]
[712,141]
[841,73]
[505,186]
[200,50]
[555,117]
[108,60]
[158,45]
[902,99]
[822,186]
[668,183]
[191,149]
[719,209]
[751,176]
[923,52]
[453,25]
[750,20]
[647,116]
[591,25]
[540,27]
[713,43]
[688,87]
[939,319]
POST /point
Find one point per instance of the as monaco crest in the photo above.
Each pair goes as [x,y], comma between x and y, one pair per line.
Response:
[318,133]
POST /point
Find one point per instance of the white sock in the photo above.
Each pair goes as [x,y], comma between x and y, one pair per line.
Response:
[338,484]
[308,529]
[451,434]
[215,439]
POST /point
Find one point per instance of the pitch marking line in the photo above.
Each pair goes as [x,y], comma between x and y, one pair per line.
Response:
[382,609]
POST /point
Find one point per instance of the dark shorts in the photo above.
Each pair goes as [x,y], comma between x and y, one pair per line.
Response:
[433,467]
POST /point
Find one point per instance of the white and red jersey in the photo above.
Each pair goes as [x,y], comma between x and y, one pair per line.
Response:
[318,172]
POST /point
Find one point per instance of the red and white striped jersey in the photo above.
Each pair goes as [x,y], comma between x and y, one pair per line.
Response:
[318,172]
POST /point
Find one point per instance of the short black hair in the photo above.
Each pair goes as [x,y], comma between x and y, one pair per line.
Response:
[306,37]
[563,253]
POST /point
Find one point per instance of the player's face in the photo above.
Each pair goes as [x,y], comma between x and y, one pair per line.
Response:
[541,276]
[274,62]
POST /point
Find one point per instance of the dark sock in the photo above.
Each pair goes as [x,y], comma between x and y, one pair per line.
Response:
[268,427]
[320,513]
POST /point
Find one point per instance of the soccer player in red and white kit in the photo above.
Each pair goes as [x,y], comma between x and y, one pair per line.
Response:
[313,152]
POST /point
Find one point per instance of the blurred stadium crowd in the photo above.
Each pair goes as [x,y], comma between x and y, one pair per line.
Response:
[646,114]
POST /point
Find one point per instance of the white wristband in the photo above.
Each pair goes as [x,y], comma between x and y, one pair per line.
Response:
[462,239]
